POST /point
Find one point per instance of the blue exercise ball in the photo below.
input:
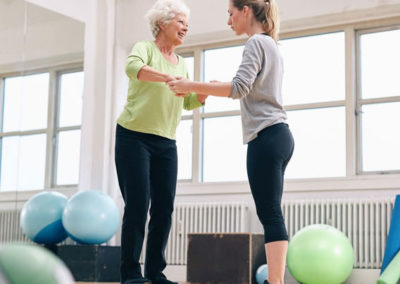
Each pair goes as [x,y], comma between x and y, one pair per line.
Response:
[90,217]
[41,218]
[262,274]
[32,264]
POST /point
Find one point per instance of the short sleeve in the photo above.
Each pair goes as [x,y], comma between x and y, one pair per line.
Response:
[139,57]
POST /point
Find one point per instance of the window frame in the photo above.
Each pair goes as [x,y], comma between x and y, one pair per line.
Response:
[53,111]
[354,179]
[360,102]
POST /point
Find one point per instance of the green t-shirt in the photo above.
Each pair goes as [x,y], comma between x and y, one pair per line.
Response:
[152,107]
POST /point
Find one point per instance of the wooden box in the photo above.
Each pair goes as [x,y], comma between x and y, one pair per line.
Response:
[92,263]
[224,258]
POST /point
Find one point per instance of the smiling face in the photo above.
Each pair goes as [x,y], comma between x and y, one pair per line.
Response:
[176,30]
[237,18]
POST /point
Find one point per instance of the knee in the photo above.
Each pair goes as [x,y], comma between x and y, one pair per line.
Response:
[135,214]
[161,212]
[270,214]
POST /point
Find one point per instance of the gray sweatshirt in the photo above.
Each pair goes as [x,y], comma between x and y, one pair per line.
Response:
[258,85]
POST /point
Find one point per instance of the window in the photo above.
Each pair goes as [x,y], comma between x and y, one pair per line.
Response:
[380,137]
[224,155]
[221,64]
[24,122]
[184,134]
[40,130]
[379,101]
[68,128]
[314,93]
[342,96]
[320,143]
[314,69]
[184,140]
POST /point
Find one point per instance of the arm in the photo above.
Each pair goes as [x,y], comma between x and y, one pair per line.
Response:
[219,89]
[241,84]
[192,100]
[250,67]
[137,65]
[149,74]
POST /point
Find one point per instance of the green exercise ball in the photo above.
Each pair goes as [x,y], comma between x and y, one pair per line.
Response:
[31,264]
[320,254]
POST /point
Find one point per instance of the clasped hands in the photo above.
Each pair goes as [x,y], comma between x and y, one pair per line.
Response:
[183,87]
[179,85]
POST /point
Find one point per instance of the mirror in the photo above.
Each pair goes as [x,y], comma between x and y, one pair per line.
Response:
[41,88]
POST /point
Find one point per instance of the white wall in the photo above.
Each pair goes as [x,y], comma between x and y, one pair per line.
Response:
[210,16]
[76,9]
[291,10]
[33,34]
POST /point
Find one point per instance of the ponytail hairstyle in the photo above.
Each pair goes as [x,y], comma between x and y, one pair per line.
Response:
[265,12]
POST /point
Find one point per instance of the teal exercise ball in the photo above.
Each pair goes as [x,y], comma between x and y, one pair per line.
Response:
[262,274]
[41,218]
[90,217]
[320,254]
[31,264]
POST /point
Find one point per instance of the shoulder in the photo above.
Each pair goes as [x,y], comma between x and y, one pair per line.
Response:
[146,44]
[263,44]
[143,49]
[261,40]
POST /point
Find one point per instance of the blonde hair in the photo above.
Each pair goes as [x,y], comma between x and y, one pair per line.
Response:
[265,12]
[164,11]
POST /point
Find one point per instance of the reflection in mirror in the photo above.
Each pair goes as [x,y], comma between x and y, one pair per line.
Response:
[41,88]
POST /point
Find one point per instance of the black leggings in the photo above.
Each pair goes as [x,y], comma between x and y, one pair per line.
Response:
[147,171]
[267,158]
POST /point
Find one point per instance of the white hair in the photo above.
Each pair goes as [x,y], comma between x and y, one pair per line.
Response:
[164,11]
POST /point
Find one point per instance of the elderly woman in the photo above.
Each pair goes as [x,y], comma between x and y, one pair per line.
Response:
[145,150]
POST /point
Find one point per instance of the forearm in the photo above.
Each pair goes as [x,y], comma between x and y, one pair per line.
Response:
[149,74]
[218,89]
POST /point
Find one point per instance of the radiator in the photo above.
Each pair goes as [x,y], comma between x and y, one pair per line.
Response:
[10,230]
[207,217]
[187,218]
[365,222]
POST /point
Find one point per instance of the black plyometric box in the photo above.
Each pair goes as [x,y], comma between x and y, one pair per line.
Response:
[222,258]
[92,263]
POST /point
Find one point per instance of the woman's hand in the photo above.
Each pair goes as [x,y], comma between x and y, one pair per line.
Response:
[169,78]
[202,98]
[182,95]
[180,86]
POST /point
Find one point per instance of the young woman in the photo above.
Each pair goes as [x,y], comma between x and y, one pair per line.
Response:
[258,84]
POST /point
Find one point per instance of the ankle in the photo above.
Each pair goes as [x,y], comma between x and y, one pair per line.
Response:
[274,281]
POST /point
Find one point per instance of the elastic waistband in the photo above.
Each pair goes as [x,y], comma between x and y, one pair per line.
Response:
[141,135]
[275,126]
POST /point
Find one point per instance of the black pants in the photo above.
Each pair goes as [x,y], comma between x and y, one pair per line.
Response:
[147,171]
[267,158]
